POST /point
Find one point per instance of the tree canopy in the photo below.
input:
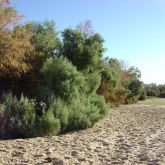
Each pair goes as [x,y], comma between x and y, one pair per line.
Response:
[15,46]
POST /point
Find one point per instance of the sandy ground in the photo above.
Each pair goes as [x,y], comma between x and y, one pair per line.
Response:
[131,135]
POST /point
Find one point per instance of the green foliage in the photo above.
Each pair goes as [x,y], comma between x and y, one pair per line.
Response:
[143,95]
[92,83]
[46,95]
[109,73]
[77,106]
[48,124]
[86,111]
[80,113]
[84,51]
[62,78]
[78,118]
[46,43]
[136,89]
[135,72]
[98,108]
[61,112]
[109,82]
[18,115]
[44,38]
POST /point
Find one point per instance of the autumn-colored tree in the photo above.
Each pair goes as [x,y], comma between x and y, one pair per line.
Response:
[8,16]
[120,84]
[114,77]
[120,69]
[15,46]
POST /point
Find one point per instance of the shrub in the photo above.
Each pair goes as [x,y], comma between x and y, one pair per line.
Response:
[48,124]
[98,108]
[62,78]
[46,95]
[135,89]
[143,95]
[78,116]
[61,112]
[92,82]
[86,111]
[19,116]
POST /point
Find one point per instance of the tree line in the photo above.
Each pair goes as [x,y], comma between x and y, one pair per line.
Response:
[53,82]
[155,90]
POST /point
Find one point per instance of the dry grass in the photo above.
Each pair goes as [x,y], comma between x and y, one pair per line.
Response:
[153,101]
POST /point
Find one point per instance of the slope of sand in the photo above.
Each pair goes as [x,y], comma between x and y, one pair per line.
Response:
[132,135]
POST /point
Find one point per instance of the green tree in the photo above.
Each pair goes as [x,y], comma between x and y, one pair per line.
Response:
[46,43]
[62,78]
[84,51]
[45,40]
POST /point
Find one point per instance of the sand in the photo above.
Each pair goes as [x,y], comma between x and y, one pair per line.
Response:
[131,135]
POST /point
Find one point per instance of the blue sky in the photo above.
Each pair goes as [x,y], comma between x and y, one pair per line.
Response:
[133,30]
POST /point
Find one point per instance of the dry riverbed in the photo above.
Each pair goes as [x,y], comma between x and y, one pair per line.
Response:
[131,135]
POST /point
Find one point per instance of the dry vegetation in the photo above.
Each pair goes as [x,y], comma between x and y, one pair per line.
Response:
[153,101]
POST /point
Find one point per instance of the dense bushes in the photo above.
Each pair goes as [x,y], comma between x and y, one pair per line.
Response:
[75,104]
[57,84]
[120,85]
[66,99]
[155,90]
[21,118]
[68,104]
[86,111]
[62,78]
[18,116]
[48,124]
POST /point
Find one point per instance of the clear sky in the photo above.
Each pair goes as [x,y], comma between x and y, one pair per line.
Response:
[133,30]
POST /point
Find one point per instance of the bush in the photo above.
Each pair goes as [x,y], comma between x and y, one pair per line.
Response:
[143,95]
[98,108]
[62,81]
[62,78]
[86,111]
[92,82]
[46,95]
[48,124]
[78,116]
[67,101]
[135,89]
[61,112]
[18,115]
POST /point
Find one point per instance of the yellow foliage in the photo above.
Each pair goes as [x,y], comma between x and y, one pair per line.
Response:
[15,46]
